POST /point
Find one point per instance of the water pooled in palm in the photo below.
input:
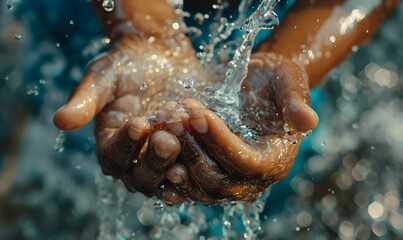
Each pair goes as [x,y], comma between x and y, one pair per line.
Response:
[224,98]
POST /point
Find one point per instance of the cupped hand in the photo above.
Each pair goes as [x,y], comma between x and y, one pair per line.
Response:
[129,89]
[215,165]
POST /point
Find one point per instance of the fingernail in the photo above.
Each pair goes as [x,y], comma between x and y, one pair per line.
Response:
[175,123]
[175,174]
[135,133]
[198,122]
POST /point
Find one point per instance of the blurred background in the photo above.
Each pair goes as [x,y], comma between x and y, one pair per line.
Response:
[346,182]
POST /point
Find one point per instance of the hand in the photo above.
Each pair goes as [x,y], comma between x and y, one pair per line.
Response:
[129,88]
[217,166]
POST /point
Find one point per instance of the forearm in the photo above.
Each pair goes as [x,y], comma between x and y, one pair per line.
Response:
[320,35]
[138,17]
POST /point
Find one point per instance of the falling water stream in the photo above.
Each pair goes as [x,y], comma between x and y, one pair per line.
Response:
[187,222]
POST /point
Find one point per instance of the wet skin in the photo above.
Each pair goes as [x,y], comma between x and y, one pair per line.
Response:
[178,149]
[163,145]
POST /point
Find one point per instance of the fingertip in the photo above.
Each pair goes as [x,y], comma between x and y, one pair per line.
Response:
[177,174]
[138,127]
[198,121]
[166,146]
[300,117]
[70,118]
[191,104]
[176,122]
[172,196]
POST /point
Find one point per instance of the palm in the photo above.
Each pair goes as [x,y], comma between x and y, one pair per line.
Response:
[220,166]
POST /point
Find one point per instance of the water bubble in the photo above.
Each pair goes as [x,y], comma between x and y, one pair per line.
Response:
[108,5]
[10,5]
[170,220]
[198,18]
[18,36]
[293,141]
[158,207]
[32,90]
[286,128]
[59,142]
[175,26]
[143,86]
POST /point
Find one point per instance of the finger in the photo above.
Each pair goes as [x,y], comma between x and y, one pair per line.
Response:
[89,97]
[291,88]
[179,178]
[176,122]
[163,150]
[172,196]
[117,152]
[293,97]
[147,175]
[226,148]
[162,114]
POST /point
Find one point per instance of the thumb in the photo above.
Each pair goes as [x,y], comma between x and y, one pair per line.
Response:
[89,97]
[293,96]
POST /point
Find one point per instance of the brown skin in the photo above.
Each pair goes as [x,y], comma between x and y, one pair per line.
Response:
[180,150]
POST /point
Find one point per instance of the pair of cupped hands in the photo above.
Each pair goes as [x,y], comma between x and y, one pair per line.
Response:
[163,143]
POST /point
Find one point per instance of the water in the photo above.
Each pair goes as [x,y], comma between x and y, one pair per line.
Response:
[360,162]
[108,5]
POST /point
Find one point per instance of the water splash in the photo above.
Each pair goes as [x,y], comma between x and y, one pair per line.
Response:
[238,215]
[108,5]
[224,98]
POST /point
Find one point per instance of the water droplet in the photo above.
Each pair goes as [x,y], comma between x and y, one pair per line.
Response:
[170,220]
[58,45]
[135,161]
[17,36]
[286,128]
[303,48]
[297,229]
[108,5]
[71,22]
[198,18]
[307,133]
[32,90]
[143,86]
[175,26]
[42,81]
[187,83]
[59,142]
[78,167]
[293,141]
[158,207]
[10,5]
[323,144]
